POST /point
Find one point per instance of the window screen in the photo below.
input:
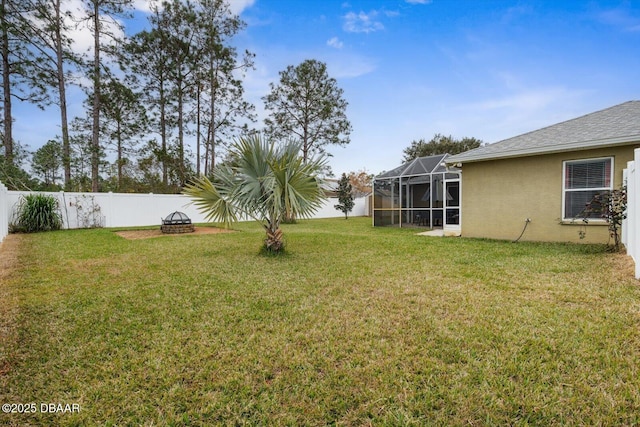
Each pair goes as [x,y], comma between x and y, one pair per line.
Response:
[584,179]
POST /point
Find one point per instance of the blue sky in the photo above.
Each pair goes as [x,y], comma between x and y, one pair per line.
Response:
[409,69]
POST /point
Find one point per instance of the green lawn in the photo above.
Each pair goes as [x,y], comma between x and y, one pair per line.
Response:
[354,326]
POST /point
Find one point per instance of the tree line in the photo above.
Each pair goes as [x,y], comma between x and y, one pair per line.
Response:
[147,95]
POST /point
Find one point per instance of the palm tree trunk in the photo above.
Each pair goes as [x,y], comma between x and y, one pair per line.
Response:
[274,242]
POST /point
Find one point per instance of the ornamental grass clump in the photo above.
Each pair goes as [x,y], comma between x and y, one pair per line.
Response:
[38,212]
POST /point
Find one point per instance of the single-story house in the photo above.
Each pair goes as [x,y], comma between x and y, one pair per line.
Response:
[543,179]
[421,192]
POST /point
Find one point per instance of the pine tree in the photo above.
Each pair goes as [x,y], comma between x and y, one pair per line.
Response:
[16,67]
[50,27]
[147,61]
[309,106]
[222,110]
[124,121]
[47,162]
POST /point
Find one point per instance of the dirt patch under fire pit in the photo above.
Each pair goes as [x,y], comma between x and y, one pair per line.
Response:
[147,234]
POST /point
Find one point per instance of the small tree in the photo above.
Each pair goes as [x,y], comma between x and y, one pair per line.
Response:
[344,196]
[361,183]
[611,206]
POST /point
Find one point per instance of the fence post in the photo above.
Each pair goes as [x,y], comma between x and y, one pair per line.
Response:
[109,220]
[633,204]
[630,226]
[625,223]
[4,212]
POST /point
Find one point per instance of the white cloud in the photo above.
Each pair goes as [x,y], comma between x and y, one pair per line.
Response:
[524,111]
[362,22]
[236,6]
[527,100]
[620,18]
[335,42]
[418,1]
[144,5]
[82,35]
[346,67]
[80,30]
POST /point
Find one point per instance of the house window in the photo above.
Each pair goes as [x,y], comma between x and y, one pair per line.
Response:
[584,179]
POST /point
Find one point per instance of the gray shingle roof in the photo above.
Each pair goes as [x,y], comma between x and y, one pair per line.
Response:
[418,166]
[617,125]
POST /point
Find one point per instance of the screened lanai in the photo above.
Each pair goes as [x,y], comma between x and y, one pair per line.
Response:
[421,193]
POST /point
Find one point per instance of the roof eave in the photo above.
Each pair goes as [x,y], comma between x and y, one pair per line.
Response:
[549,149]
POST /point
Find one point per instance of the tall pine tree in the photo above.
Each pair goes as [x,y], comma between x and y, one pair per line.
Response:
[99,14]
[223,111]
[16,63]
[308,105]
[52,46]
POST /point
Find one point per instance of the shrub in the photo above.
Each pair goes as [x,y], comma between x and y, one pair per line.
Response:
[38,212]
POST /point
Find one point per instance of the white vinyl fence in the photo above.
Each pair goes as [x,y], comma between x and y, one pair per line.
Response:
[86,210]
[631,225]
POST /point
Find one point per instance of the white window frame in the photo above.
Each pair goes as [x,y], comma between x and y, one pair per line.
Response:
[566,190]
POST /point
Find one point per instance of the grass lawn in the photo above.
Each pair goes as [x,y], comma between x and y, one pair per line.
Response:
[354,326]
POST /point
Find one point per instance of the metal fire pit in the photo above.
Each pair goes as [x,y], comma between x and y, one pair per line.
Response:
[176,223]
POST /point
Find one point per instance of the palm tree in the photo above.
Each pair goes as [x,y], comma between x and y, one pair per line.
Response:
[267,182]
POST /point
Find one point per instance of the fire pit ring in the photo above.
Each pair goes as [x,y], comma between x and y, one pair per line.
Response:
[176,223]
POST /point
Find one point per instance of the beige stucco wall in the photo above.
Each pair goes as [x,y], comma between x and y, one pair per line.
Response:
[499,195]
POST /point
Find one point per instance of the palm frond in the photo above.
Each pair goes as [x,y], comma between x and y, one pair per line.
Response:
[268,182]
[299,190]
[211,200]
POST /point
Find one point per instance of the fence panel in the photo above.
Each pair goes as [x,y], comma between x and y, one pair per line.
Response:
[631,225]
